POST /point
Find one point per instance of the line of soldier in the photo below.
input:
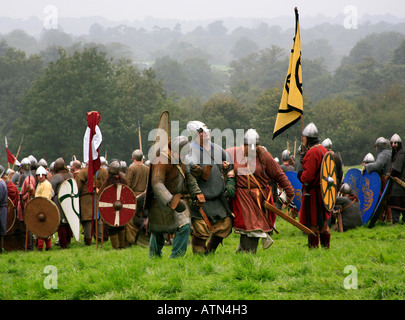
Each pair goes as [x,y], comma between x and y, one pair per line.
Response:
[205,198]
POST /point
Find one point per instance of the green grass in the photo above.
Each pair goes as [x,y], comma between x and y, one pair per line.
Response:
[288,270]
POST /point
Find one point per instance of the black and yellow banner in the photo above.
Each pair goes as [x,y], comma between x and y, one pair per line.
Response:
[292,104]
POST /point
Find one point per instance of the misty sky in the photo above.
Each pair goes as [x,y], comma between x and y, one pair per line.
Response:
[195,9]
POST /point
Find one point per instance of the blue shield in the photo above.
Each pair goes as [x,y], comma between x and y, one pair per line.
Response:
[381,205]
[353,179]
[297,185]
[368,194]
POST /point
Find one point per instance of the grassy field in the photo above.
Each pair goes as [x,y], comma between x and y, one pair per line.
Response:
[362,264]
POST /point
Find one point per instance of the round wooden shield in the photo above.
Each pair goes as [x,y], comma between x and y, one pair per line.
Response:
[328,181]
[42,217]
[11,215]
[117,205]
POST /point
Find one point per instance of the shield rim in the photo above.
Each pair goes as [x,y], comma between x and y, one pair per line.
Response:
[332,195]
[75,232]
[53,205]
[10,202]
[100,208]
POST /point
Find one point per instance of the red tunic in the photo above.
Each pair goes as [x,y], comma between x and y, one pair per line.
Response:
[248,202]
[310,178]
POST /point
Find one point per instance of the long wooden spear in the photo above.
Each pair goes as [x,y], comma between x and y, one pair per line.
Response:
[18,152]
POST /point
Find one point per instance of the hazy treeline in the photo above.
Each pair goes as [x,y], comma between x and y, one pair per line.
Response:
[45,96]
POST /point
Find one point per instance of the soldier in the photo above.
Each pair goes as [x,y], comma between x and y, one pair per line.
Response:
[137,176]
[327,143]
[116,234]
[3,208]
[286,158]
[28,185]
[211,216]
[86,205]
[382,166]
[168,210]
[349,208]
[396,202]
[61,174]
[313,213]
[43,189]
[76,167]
[254,167]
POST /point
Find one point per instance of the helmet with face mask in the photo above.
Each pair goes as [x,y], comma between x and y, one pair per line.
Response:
[251,138]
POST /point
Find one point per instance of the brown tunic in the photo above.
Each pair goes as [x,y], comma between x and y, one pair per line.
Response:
[137,176]
[251,192]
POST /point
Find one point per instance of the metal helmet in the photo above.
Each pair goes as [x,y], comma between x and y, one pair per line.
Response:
[381,141]
[369,158]
[114,167]
[1,171]
[59,165]
[25,164]
[137,155]
[285,155]
[310,131]
[327,144]
[345,188]
[41,171]
[251,138]
[32,159]
[196,127]
[123,166]
[43,163]
[277,160]
[395,138]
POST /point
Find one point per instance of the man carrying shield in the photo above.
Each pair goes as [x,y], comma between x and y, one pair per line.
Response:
[44,189]
[313,213]
[61,174]
[115,177]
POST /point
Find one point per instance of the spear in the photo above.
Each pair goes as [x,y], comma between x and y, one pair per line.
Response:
[139,134]
[18,152]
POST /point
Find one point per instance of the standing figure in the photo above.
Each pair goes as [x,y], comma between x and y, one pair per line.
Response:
[137,176]
[254,167]
[166,202]
[3,208]
[115,176]
[87,215]
[44,189]
[396,202]
[313,213]
[382,166]
[211,216]
[61,174]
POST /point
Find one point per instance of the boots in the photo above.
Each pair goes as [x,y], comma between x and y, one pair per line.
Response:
[121,239]
[325,240]
[248,244]
[313,242]
[213,243]
[114,241]
[198,245]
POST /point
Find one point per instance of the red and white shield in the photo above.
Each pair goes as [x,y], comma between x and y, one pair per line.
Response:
[117,205]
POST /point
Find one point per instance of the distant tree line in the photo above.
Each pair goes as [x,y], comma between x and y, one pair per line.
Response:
[44,97]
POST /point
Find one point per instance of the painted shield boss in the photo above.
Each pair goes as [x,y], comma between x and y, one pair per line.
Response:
[117,205]
[42,217]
